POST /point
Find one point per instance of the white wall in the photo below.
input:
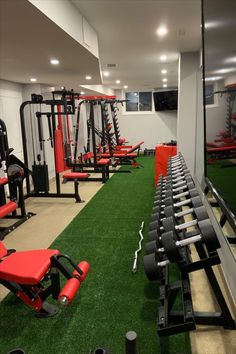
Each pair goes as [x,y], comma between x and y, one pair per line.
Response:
[152,128]
[67,16]
[199,138]
[216,114]
[10,101]
[187,106]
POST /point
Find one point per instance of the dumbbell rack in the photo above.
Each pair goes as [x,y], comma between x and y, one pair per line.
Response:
[175,321]
[171,321]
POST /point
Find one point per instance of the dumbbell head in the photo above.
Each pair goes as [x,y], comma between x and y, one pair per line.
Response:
[173,248]
[152,270]
[171,222]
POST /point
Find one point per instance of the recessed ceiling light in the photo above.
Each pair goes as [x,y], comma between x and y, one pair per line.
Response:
[224,71]
[82,92]
[88,77]
[117,81]
[163,57]
[106,73]
[230,60]
[162,31]
[164,71]
[125,87]
[52,88]
[165,79]
[54,61]
[164,85]
[62,87]
[213,78]
[33,79]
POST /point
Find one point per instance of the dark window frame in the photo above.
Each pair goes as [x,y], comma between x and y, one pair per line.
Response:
[138,102]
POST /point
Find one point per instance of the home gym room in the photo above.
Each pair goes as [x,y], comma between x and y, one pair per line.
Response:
[117,196]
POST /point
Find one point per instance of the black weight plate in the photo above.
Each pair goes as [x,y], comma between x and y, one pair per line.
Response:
[168,243]
[155,216]
[168,193]
[209,236]
[150,247]
[168,224]
[168,201]
[201,213]
[156,209]
[169,211]
[193,192]
[152,235]
[153,272]
[196,202]
[153,225]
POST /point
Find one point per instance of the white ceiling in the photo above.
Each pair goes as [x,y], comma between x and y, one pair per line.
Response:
[127,37]
[126,30]
[29,39]
[220,32]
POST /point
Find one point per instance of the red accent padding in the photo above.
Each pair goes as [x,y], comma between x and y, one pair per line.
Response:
[3,250]
[3,181]
[36,304]
[103,161]
[59,152]
[135,147]
[162,154]
[28,267]
[76,175]
[121,141]
[222,148]
[69,290]
[84,266]
[7,209]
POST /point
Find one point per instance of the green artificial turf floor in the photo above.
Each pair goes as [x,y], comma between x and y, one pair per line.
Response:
[112,300]
[223,179]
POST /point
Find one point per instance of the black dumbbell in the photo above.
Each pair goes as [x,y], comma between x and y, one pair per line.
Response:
[170,184]
[172,249]
[170,199]
[157,230]
[171,223]
[195,202]
[200,213]
[168,192]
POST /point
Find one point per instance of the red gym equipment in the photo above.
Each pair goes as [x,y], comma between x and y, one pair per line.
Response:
[26,273]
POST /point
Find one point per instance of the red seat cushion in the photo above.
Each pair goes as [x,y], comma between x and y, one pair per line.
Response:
[27,267]
[103,161]
[76,175]
[3,181]
[135,147]
[119,154]
[105,155]
[7,209]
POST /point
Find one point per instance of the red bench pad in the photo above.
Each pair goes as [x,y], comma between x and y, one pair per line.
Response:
[222,148]
[103,161]
[125,155]
[7,209]
[27,267]
[135,147]
[76,175]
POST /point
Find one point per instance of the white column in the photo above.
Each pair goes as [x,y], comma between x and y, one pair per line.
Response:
[187,106]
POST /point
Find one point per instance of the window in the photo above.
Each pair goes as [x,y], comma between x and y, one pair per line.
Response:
[209,94]
[138,101]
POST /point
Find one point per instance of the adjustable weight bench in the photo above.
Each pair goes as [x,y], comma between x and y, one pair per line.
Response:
[75,177]
[26,273]
[127,157]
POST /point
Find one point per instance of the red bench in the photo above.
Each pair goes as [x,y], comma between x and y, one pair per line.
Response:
[26,273]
